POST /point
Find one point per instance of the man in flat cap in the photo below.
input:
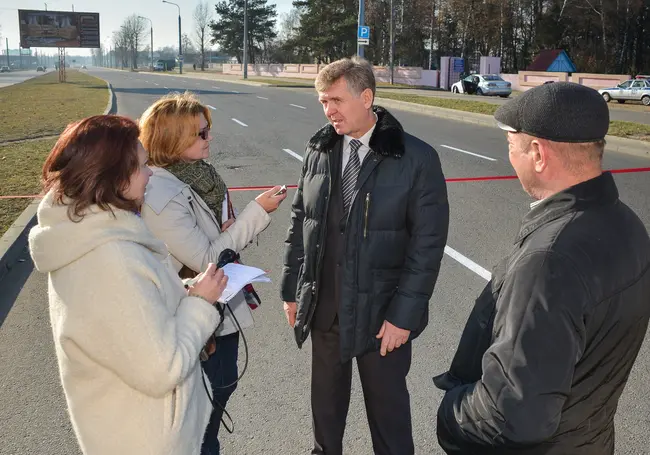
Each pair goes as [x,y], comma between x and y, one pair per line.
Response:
[551,340]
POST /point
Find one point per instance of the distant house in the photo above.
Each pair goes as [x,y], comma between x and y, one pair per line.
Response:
[552,60]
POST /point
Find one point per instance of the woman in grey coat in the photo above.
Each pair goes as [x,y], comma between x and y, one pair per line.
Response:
[188,207]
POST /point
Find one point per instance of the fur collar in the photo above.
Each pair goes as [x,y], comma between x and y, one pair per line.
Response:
[387,139]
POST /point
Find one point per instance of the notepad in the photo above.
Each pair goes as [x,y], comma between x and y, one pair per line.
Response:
[238,276]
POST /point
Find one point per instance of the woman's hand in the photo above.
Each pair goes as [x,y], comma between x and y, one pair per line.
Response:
[227,224]
[269,201]
[211,285]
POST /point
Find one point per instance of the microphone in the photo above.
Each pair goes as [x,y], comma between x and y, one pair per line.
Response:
[227,256]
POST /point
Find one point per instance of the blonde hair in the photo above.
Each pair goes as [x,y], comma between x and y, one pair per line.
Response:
[356,71]
[170,126]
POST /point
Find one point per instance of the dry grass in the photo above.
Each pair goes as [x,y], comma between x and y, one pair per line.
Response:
[20,172]
[478,107]
[42,106]
[629,130]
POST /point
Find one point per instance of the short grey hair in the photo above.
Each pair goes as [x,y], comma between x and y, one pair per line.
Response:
[356,71]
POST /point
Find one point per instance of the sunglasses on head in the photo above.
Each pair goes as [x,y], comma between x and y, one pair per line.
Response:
[204,133]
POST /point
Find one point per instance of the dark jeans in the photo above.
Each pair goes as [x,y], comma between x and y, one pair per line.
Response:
[221,369]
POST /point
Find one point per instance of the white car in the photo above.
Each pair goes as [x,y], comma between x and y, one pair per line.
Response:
[632,90]
[483,84]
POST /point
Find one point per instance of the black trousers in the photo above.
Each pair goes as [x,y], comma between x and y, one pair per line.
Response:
[383,380]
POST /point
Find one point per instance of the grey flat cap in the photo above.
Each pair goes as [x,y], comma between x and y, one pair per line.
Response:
[561,112]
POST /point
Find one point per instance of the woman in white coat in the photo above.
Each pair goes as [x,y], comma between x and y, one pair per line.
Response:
[187,206]
[127,333]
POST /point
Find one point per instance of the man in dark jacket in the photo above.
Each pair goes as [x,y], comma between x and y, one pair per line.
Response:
[367,235]
[550,343]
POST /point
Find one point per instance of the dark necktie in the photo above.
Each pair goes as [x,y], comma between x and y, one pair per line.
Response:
[350,174]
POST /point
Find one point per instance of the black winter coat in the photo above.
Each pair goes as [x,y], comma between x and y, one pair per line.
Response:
[552,339]
[394,238]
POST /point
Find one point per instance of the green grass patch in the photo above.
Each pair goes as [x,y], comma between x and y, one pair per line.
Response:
[478,107]
[42,106]
[20,173]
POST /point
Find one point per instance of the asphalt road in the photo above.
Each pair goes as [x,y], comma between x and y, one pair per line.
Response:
[14,77]
[254,128]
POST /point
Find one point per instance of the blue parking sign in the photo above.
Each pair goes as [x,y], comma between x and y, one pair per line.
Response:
[364,32]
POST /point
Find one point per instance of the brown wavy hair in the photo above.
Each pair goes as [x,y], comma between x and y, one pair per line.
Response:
[92,164]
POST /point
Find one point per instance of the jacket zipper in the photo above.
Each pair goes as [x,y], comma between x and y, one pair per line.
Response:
[365,222]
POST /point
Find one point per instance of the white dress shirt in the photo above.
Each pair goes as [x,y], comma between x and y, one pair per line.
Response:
[363,150]
[536,203]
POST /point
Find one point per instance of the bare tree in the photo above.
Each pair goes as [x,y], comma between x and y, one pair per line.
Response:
[133,29]
[289,25]
[121,43]
[202,19]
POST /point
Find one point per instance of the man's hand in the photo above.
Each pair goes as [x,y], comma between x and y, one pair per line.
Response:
[391,337]
[290,309]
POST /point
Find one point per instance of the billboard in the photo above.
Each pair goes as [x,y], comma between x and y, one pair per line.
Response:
[58,29]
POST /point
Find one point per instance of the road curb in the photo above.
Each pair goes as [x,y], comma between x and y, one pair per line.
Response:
[614,143]
[111,106]
[205,76]
[13,243]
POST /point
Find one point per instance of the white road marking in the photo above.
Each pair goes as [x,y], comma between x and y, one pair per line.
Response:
[262,98]
[238,121]
[467,262]
[292,153]
[449,251]
[155,84]
[298,106]
[211,107]
[234,91]
[166,88]
[216,87]
[468,153]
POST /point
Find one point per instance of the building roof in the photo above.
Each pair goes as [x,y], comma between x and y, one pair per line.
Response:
[546,59]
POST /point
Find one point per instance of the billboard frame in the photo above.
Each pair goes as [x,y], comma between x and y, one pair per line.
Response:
[59,29]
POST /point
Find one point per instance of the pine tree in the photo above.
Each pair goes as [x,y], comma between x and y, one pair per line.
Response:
[228,29]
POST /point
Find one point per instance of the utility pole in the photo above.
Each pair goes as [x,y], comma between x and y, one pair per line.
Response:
[151,34]
[180,40]
[362,20]
[245,39]
[7,44]
[392,41]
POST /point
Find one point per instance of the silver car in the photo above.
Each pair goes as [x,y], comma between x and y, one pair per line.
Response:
[483,84]
[632,90]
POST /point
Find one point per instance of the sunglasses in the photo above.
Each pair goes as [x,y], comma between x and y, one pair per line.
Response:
[204,133]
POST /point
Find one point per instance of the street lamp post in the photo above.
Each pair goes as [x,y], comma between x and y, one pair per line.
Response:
[245,39]
[392,42]
[362,20]
[180,41]
[150,33]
